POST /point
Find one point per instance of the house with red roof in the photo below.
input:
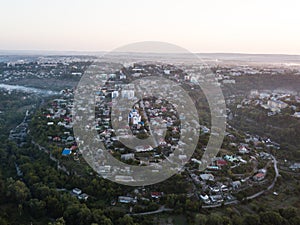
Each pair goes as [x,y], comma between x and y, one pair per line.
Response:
[156,195]
[221,162]
[259,176]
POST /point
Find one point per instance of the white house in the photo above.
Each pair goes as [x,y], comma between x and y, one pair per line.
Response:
[297,114]
[127,156]
[128,94]
[236,184]
[205,199]
[146,148]
[243,150]
[127,200]
[207,177]
[76,191]
[277,104]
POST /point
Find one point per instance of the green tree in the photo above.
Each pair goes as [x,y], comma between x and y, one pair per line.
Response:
[214,219]
[126,220]
[54,206]
[271,218]
[251,220]
[237,220]
[78,214]
[294,220]
[36,207]
[3,221]
[288,213]
[100,218]
[201,219]
[59,221]
[17,190]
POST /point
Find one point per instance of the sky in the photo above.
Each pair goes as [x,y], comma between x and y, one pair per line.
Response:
[202,26]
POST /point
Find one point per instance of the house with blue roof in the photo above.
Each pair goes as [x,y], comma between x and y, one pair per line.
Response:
[66,152]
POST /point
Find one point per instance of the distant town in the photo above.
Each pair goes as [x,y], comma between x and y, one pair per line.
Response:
[252,163]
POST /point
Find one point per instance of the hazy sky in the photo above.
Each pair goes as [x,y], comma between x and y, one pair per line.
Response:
[245,26]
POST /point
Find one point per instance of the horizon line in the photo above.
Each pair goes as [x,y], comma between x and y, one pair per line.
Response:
[4,52]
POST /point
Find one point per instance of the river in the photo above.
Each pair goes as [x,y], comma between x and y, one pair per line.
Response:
[9,87]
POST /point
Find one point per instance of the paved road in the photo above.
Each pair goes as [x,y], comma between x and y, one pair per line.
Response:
[256,194]
[276,173]
[271,185]
[220,204]
[161,209]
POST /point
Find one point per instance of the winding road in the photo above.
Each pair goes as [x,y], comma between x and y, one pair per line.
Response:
[160,210]
[271,185]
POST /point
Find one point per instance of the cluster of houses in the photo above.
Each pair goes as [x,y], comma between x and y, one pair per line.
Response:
[248,70]
[147,114]
[79,194]
[59,114]
[44,67]
[273,101]
[214,192]
[212,187]
[295,166]
[140,195]
[152,112]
